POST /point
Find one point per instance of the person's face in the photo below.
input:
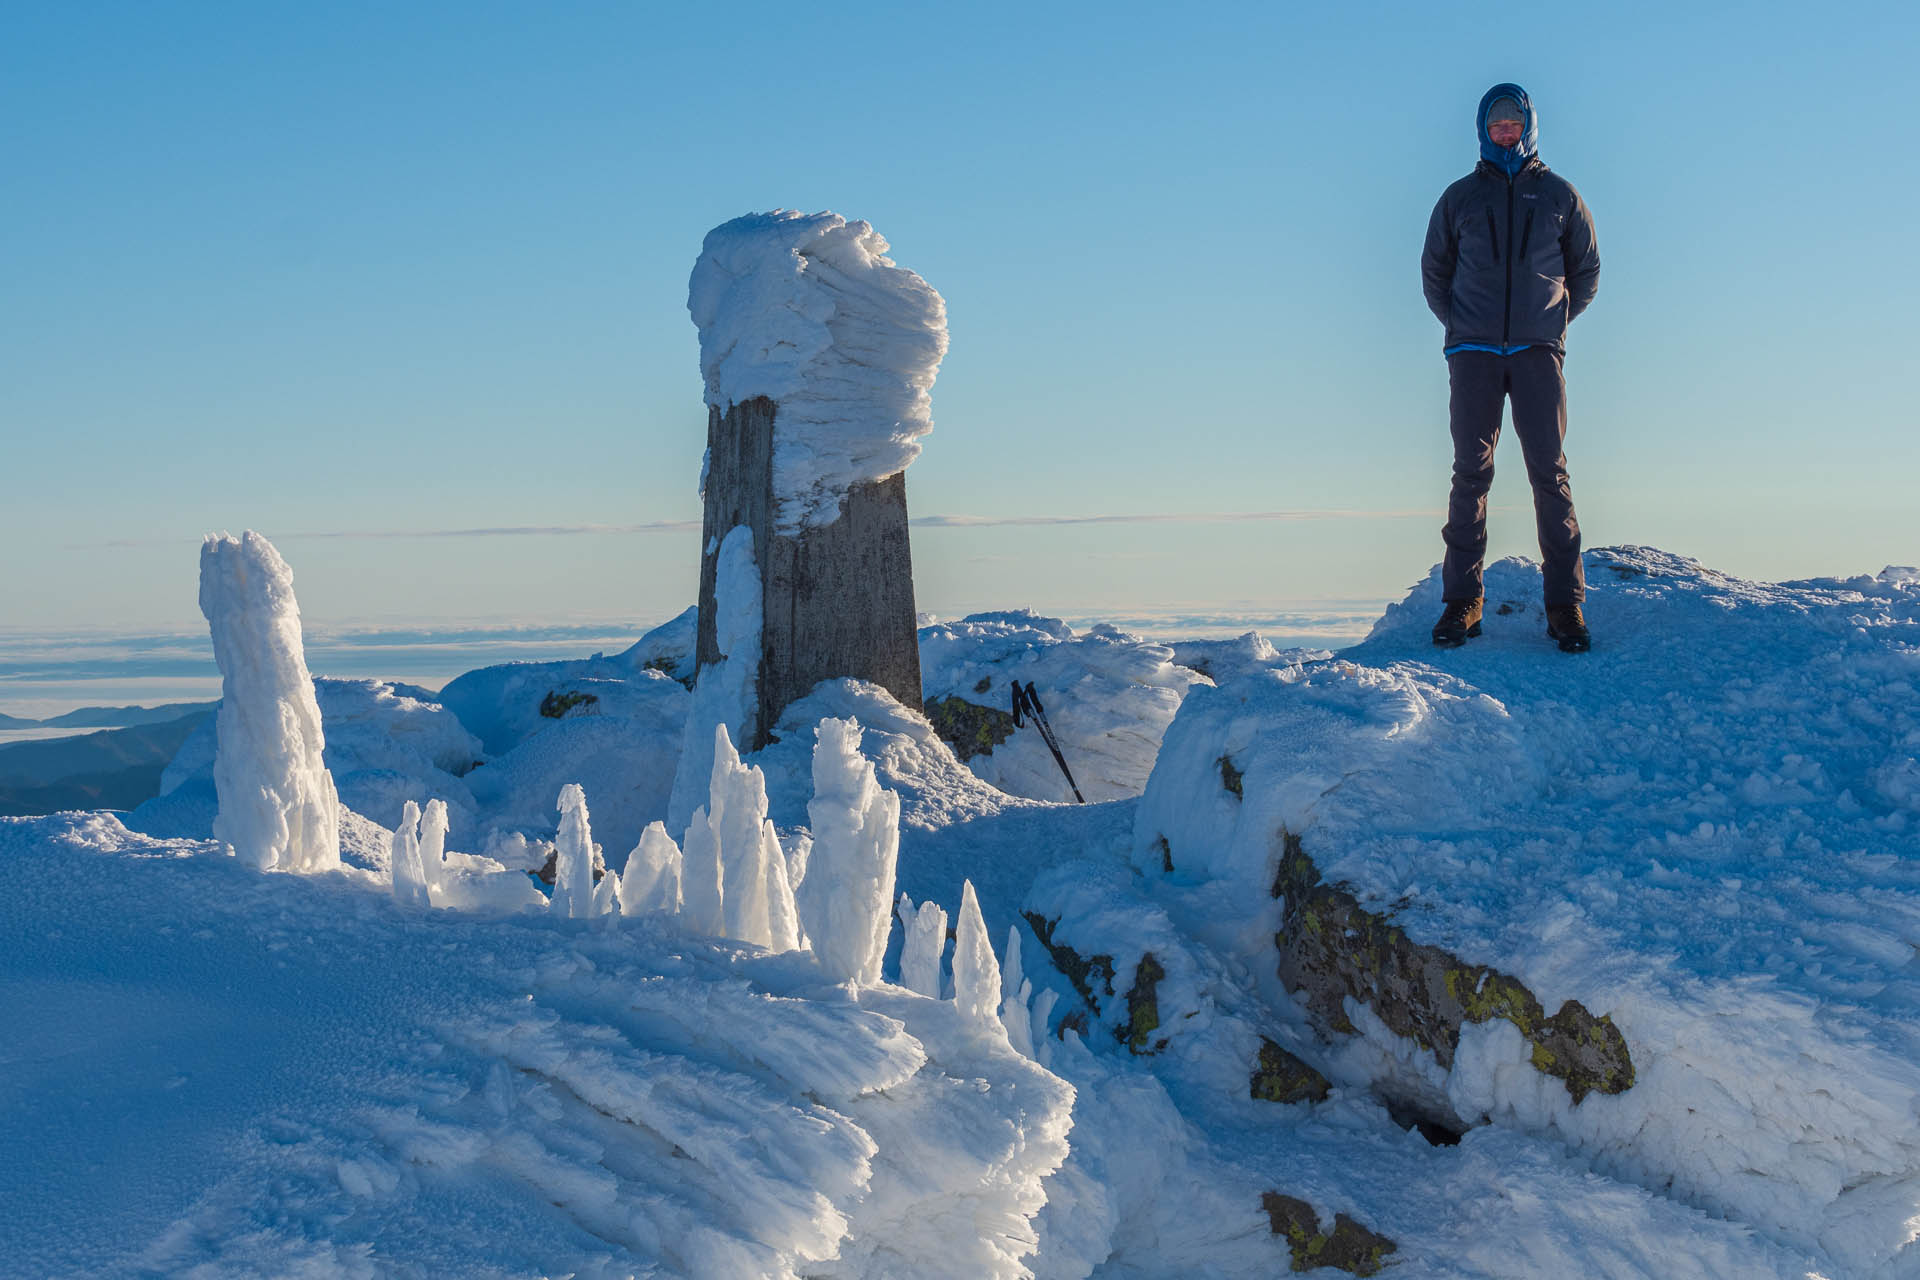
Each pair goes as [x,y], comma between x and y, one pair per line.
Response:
[1505,133]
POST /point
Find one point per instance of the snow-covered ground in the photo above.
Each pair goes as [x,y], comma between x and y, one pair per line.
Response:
[1702,831]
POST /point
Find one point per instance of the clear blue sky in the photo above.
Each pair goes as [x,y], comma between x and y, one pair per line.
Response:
[350,268]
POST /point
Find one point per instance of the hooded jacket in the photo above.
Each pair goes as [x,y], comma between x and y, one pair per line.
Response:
[1510,257]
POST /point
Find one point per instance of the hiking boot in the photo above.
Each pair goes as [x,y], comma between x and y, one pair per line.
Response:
[1460,623]
[1566,624]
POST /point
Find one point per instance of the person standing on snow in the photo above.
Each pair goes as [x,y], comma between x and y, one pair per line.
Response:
[1510,260]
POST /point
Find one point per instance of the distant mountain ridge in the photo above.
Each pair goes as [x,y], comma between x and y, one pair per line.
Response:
[109,769]
[109,717]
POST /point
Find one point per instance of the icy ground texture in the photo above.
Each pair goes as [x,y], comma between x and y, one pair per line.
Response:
[277,807]
[1706,830]
[808,311]
[1108,695]
[237,1074]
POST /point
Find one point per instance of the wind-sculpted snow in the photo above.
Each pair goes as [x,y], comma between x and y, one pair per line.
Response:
[277,807]
[1689,831]
[539,1095]
[808,311]
[1109,697]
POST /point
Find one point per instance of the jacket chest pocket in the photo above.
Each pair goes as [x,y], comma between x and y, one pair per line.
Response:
[1543,252]
[1478,234]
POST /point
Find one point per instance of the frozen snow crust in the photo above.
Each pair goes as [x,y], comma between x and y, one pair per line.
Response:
[301,1075]
[1703,831]
[808,311]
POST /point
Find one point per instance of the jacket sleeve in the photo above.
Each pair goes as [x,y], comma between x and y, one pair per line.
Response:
[1437,261]
[1582,253]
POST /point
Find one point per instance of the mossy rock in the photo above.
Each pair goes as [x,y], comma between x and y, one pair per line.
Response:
[1081,971]
[1143,1008]
[1332,949]
[557,705]
[1280,1077]
[1348,1247]
[969,728]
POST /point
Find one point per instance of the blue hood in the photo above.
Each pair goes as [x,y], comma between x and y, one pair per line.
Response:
[1509,162]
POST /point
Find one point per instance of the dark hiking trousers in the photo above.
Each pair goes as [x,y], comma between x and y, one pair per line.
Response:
[1482,382]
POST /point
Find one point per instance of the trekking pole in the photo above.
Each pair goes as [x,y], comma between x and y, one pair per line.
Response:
[1027,701]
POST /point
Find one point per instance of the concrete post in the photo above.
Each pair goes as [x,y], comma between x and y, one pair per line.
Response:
[836,599]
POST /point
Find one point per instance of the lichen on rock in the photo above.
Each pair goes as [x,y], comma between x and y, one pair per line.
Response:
[1079,970]
[1143,1008]
[1331,949]
[1281,1077]
[969,728]
[1348,1247]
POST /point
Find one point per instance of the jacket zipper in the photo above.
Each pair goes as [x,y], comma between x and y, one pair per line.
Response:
[1506,331]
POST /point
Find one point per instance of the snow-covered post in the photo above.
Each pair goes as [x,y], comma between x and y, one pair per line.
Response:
[278,809]
[818,355]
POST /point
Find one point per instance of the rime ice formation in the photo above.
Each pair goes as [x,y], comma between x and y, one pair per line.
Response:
[734,871]
[727,692]
[573,856]
[1015,991]
[408,867]
[846,898]
[434,825]
[277,807]
[606,895]
[651,881]
[809,312]
[925,942]
[976,973]
[524,1100]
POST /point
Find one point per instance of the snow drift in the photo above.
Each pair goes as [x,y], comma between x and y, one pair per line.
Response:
[1694,836]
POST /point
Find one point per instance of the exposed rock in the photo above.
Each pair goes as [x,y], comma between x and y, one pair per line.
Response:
[1230,776]
[1281,1077]
[1331,948]
[1143,1008]
[1348,1247]
[556,705]
[969,728]
[1080,971]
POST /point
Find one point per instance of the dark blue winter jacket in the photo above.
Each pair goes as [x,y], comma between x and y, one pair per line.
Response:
[1510,255]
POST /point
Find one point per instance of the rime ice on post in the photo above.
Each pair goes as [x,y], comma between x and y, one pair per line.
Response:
[818,355]
[277,805]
